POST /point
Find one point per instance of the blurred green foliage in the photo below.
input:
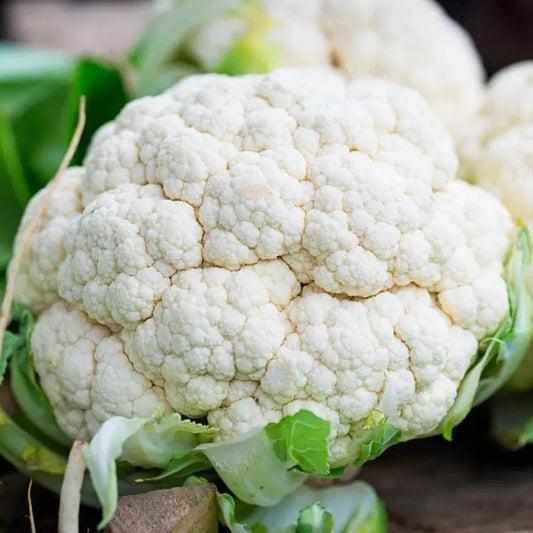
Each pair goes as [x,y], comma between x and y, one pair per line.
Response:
[39,98]
[163,56]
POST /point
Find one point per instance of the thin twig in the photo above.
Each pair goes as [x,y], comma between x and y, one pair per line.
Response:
[33,224]
[30,508]
[69,503]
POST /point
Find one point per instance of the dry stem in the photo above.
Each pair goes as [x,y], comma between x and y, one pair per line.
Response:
[33,224]
[30,508]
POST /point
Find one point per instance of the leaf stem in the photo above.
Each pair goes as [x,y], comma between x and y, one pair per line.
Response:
[69,503]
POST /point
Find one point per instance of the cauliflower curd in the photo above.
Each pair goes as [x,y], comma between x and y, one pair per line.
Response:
[243,248]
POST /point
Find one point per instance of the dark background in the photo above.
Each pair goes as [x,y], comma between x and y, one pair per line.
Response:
[501,29]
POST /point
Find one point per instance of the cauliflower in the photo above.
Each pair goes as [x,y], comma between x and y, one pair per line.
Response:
[496,150]
[496,153]
[242,249]
[38,276]
[411,42]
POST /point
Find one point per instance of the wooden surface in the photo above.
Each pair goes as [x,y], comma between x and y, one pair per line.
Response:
[434,487]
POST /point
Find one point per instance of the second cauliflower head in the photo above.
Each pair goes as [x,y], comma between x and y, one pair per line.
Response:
[239,249]
[411,42]
[497,148]
[497,154]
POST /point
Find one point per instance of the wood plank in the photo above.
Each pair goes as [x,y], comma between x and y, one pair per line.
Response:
[438,487]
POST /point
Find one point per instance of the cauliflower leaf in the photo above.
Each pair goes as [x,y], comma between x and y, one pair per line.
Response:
[154,56]
[512,419]
[17,337]
[301,440]
[34,403]
[258,467]
[101,457]
[505,351]
[346,508]
[379,436]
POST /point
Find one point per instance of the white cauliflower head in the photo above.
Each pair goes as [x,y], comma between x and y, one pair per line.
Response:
[251,246]
[411,42]
[497,149]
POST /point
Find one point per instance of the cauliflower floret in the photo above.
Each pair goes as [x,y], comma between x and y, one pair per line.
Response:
[279,175]
[343,353]
[256,208]
[506,104]
[123,249]
[506,170]
[37,280]
[412,42]
[86,375]
[212,328]
[187,282]
[496,151]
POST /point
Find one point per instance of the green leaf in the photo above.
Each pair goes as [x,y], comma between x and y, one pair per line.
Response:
[181,467]
[34,459]
[163,439]
[249,465]
[17,337]
[13,180]
[39,98]
[168,76]
[43,147]
[14,186]
[104,449]
[11,344]
[522,379]
[167,36]
[147,442]
[314,519]
[27,73]
[163,56]
[33,402]
[370,517]
[512,419]
[227,514]
[252,53]
[378,436]
[103,87]
[19,63]
[512,347]
[41,131]
[25,451]
[504,352]
[251,469]
[302,439]
[259,467]
[346,508]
